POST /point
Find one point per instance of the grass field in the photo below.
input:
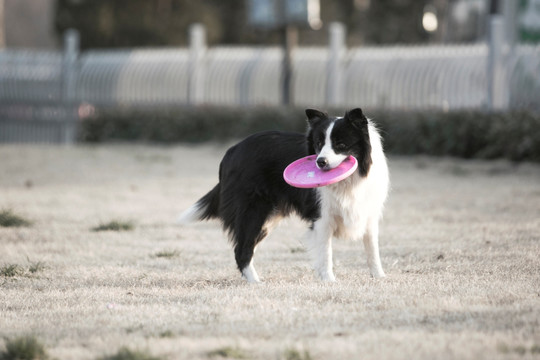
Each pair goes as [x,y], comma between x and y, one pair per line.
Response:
[101,264]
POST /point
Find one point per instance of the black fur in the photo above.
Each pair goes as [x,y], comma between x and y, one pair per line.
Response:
[351,131]
[251,188]
[355,145]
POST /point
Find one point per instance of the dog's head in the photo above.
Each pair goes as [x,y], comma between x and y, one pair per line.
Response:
[333,139]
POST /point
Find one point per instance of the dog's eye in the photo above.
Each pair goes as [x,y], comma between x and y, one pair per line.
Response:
[341,147]
[320,143]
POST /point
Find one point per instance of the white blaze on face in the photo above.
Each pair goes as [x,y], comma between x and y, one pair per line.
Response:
[328,153]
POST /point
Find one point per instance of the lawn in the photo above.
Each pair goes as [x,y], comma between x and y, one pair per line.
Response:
[97,263]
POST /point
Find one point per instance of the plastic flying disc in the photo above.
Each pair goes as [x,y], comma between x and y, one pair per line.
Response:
[304,173]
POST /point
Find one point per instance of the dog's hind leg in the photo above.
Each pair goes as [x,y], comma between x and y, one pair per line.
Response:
[371,244]
[249,232]
[250,274]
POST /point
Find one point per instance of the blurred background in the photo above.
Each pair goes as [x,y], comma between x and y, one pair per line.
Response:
[94,70]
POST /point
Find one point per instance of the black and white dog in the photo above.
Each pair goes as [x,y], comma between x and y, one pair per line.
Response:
[251,196]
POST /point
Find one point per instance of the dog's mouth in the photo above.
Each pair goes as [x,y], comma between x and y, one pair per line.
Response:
[324,164]
[324,168]
[327,163]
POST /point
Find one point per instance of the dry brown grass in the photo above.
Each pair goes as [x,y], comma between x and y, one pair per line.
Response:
[460,244]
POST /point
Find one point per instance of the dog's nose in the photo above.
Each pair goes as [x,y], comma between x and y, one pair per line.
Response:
[322,162]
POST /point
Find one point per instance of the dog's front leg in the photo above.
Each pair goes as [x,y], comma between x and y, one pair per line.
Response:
[371,244]
[320,248]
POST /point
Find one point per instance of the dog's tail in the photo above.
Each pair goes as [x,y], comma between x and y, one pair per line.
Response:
[206,208]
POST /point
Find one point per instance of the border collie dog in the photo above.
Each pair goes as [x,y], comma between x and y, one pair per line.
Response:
[252,196]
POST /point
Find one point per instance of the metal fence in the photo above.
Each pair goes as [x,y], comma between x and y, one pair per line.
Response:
[408,78]
[49,86]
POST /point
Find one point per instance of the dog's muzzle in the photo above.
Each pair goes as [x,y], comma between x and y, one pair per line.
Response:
[322,163]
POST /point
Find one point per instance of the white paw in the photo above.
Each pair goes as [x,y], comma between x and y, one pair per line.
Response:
[379,274]
[250,274]
[327,276]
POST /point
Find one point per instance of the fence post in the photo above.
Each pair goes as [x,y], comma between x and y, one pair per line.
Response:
[498,92]
[290,42]
[197,68]
[334,72]
[69,85]
[2,26]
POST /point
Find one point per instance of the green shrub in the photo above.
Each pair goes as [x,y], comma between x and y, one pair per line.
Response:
[36,267]
[11,270]
[465,134]
[189,124]
[127,354]
[24,348]
[167,334]
[228,352]
[167,254]
[115,225]
[9,219]
[293,354]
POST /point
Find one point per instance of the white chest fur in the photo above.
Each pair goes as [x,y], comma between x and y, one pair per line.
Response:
[351,204]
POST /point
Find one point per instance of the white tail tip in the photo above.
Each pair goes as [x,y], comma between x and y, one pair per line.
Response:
[190,215]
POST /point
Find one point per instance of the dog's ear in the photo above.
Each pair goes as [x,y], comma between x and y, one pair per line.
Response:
[314,116]
[356,118]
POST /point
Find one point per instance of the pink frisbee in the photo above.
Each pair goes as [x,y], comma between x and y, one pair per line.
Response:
[304,173]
